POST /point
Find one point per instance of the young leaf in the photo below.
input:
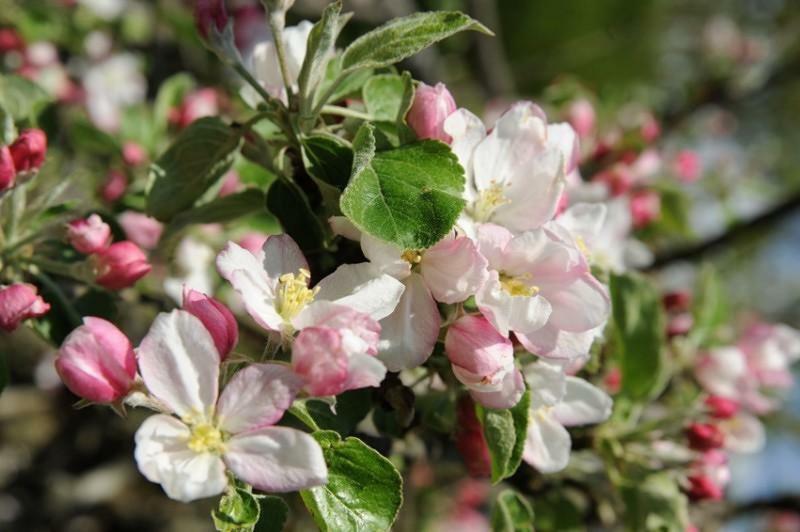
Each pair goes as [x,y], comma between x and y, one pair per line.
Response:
[238,511]
[639,335]
[505,431]
[403,37]
[511,513]
[410,196]
[654,504]
[200,155]
[288,203]
[22,98]
[710,308]
[328,159]
[320,47]
[388,97]
[364,490]
[274,512]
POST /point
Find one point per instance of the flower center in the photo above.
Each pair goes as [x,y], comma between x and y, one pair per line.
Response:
[515,285]
[294,293]
[488,200]
[206,438]
[582,247]
[411,256]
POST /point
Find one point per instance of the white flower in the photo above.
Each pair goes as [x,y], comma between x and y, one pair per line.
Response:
[265,66]
[193,259]
[189,454]
[111,85]
[558,401]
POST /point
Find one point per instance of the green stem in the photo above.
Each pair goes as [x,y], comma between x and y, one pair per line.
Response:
[277,21]
[327,94]
[253,82]
[344,111]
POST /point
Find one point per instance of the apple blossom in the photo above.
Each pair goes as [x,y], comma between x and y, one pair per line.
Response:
[208,13]
[721,407]
[515,174]
[216,317]
[19,302]
[743,433]
[89,235]
[704,436]
[111,85]
[431,107]
[189,454]
[276,291]
[29,150]
[133,153]
[264,60]
[142,230]
[8,174]
[120,265]
[709,475]
[197,104]
[483,360]
[687,166]
[194,263]
[558,401]
[645,207]
[96,362]
[114,187]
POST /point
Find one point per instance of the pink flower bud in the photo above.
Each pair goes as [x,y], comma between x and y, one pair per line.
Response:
[197,104]
[645,207]
[703,487]
[677,301]
[432,105]
[721,407]
[120,265]
[208,12]
[133,154]
[470,441]
[253,242]
[18,302]
[29,149]
[687,166]
[96,362]
[10,40]
[473,344]
[619,179]
[216,317]
[613,380]
[704,436]
[8,174]
[581,117]
[114,187]
[650,129]
[230,184]
[89,235]
[679,324]
[141,229]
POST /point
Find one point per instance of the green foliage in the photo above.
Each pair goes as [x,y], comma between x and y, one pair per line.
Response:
[655,504]
[22,98]
[388,97]
[409,196]
[403,37]
[273,515]
[709,309]
[238,511]
[639,335]
[350,408]
[200,155]
[320,48]
[505,431]
[364,490]
[511,513]
[328,159]
[287,202]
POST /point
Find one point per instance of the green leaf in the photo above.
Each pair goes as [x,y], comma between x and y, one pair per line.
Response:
[320,48]
[274,513]
[328,158]
[347,84]
[388,97]
[505,431]
[200,155]
[170,95]
[8,131]
[403,37]
[655,504]
[350,408]
[22,98]
[410,196]
[238,511]
[287,202]
[710,308]
[639,335]
[511,513]
[364,490]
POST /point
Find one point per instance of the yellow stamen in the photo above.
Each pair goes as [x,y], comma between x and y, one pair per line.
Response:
[411,256]
[582,247]
[488,200]
[206,438]
[515,285]
[294,293]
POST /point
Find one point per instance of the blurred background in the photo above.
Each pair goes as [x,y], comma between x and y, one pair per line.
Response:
[721,76]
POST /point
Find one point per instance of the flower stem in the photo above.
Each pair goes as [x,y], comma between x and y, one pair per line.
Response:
[277,21]
[344,111]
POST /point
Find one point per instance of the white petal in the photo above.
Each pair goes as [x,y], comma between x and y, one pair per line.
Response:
[562,137]
[744,433]
[555,344]
[362,288]
[364,371]
[584,220]
[511,313]
[547,383]
[409,334]
[179,364]
[257,396]
[534,197]
[509,394]
[454,270]
[467,131]
[163,457]
[582,306]
[277,459]
[385,256]
[282,255]
[342,226]
[547,444]
[582,404]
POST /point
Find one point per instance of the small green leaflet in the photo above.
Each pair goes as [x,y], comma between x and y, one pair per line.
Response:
[505,431]
[511,513]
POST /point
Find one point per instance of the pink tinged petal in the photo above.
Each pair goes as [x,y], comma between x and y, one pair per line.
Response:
[744,433]
[386,257]
[409,334]
[473,344]
[558,345]
[582,306]
[362,288]
[453,269]
[562,137]
[96,361]
[363,332]
[492,242]
[506,313]
[163,456]
[89,235]
[342,226]
[247,276]
[547,444]
[548,262]
[467,131]
[256,397]
[216,317]
[282,255]
[319,358]
[582,404]
[721,370]
[431,106]
[19,302]
[277,459]
[510,392]
[180,364]
[584,219]
[364,371]
[141,229]
[547,383]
